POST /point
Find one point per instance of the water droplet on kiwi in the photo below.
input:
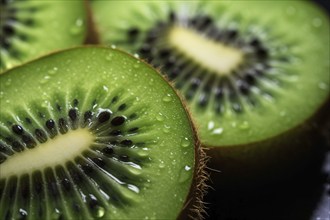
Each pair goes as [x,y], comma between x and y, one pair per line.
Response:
[210,125]
[291,10]
[99,211]
[113,46]
[105,88]
[323,86]
[109,57]
[8,82]
[166,129]
[161,164]
[78,27]
[167,98]
[136,55]
[185,142]
[160,117]
[185,174]
[133,188]
[217,131]
[7,101]
[317,22]
[44,80]
[56,214]
[244,126]
[53,71]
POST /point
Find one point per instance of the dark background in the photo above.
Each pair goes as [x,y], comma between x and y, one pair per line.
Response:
[304,195]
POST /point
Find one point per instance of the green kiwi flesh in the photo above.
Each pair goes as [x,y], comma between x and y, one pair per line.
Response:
[31,28]
[93,133]
[275,73]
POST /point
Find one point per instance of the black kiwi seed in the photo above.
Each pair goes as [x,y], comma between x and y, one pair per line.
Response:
[118,120]
[75,102]
[87,116]
[17,129]
[30,143]
[40,135]
[28,120]
[103,116]
[108,150]
[73,114]
[115,133]
[132,33]
[50,124]
[63,126]
[126,143]
[17,146]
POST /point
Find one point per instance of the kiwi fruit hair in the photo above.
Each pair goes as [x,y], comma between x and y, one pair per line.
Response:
[29,28]
[116,143]
[254,79]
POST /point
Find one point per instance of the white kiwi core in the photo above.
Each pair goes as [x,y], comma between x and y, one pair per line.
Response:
[208,53]
[58,150]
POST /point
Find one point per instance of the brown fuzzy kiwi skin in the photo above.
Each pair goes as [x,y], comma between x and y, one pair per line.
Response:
[271,160]
[194,206]
[93,36]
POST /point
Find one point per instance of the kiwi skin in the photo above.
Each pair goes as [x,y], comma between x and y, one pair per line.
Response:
[281,156]
[194,206]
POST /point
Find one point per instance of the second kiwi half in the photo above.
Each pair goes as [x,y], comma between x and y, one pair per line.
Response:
[254,79]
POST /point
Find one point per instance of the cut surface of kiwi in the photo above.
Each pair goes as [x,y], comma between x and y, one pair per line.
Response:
[93,133]
[31,28]
[249,70]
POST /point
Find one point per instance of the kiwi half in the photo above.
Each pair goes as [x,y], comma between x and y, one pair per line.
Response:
[94,133]
[31,28]
[251,72]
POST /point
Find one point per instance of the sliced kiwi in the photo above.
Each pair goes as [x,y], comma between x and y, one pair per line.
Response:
[31,28]
[94,133]
[251,71]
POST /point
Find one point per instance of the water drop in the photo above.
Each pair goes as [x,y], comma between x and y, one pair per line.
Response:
[53,71]
[291,10]
[210,125]
[317,22]
[217,131]
[244,126]
[187,168]
[99,211]
[113,46]
[167,98]
[185,174]
[323,85]
[105,88]
[136,55]
[185,142]
[136,66]
[133,188]
[109,57]
[8,82]
[161,165]
[166,128]
[160,117]
[56,214]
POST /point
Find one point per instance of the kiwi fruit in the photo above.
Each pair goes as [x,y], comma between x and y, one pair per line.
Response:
[253,78]
[31,28]
[95,133]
